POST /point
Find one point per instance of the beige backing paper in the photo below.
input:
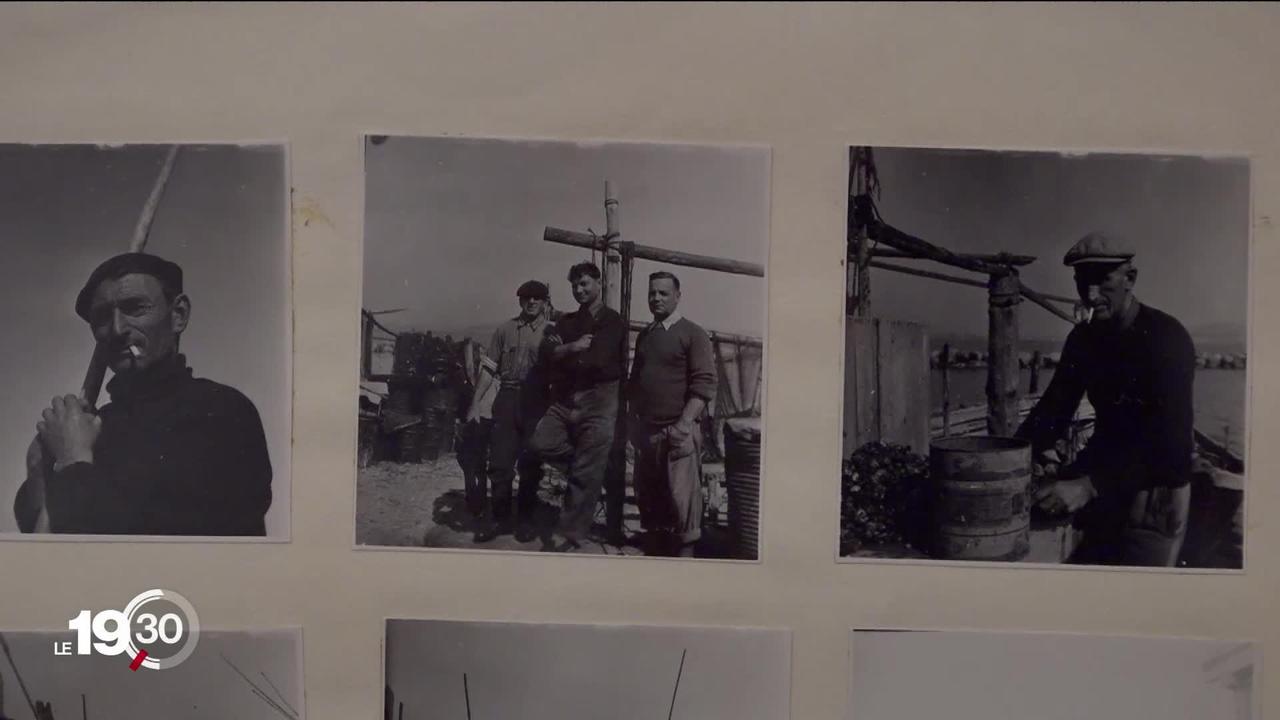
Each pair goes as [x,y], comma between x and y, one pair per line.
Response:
[807,80]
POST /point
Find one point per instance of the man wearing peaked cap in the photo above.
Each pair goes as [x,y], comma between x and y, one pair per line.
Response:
[1096,248]
[171,454]
[1136,364]
[520,401]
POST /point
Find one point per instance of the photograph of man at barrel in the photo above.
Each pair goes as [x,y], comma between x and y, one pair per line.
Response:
[1090,409]
[563,347]
[146,388]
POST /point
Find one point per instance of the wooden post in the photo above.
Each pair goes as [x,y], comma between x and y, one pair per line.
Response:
[860,273]
[1035,373]
[1002,343]
[944,363]
[466,694]
[612,266]
[615,479]
[84,708]
[366,345]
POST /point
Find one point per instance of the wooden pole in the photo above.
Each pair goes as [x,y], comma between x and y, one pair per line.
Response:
[1002,364]
[466,694]
[366,345]
[615,479]
[860,298]
[38,466]
[1038,298]
[4,645]
[647,252]
[679,672]
[999,258]
[611,268]
[944,362]
[84,707]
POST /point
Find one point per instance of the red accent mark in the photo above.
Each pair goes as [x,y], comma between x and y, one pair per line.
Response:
[137,662]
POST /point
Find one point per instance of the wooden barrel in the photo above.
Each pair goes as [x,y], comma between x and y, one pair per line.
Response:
[742,480]
[981,508]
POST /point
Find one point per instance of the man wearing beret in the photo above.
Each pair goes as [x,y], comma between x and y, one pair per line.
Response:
[171,454]
[519,404]
[1136,364]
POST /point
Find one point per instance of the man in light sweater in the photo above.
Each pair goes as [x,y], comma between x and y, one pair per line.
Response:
[673,379]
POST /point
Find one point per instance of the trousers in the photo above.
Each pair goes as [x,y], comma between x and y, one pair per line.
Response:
[576,434]
[668,479]
[1143,528]
[516,412]
[473,455]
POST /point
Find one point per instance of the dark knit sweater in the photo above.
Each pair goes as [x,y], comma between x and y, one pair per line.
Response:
[177,455]
[1139,382]
[670,367]
[602,362]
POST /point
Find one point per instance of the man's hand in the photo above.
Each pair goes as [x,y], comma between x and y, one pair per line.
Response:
[581,344]
[1066,496]
[69,431]
[684,426]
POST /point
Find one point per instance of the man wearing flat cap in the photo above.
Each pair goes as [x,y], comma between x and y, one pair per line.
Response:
[1136,364]
[171,454]
[520,402]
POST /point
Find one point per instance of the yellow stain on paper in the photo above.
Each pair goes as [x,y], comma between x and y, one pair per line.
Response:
[308,211]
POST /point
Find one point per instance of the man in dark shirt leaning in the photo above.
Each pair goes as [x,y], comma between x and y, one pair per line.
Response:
[1136,364]
[577,432]
[673,380]
[171,454]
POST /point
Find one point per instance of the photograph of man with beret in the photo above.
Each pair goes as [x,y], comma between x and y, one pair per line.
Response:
[187,340]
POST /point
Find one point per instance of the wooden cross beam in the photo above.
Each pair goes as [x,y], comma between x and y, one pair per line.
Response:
[998,258]
[648,252]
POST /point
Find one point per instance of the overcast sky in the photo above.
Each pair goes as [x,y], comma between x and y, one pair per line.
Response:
[1186,217]
[453,226]
[1025,676]
[553,672]
[223,218]
[202,687]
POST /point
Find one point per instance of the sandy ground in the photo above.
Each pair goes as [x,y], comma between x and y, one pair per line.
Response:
[422,505]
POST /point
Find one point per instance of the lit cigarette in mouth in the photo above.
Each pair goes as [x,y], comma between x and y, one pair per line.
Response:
[1088,315]
[135,352]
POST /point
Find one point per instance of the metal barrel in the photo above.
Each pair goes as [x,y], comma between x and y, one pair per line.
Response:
[981,507]
[410,444]
[742,480]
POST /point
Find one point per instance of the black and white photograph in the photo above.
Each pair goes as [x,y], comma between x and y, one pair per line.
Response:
[562,347]
[146,381]
[907,675]
[243,674]
[480,670]
[1046,358]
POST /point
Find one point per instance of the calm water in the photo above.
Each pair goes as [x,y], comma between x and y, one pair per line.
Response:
[1219,398]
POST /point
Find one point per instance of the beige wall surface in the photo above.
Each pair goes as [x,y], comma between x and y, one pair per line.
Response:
[807,80]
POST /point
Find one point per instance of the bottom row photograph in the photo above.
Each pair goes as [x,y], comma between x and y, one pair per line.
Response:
[482,671]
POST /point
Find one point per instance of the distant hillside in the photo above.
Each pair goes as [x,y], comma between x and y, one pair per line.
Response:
[1214,338]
